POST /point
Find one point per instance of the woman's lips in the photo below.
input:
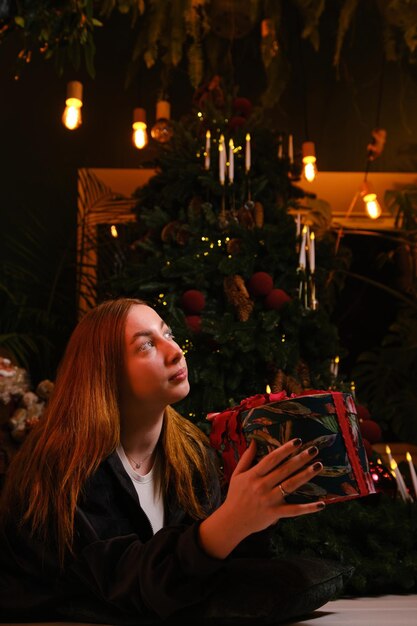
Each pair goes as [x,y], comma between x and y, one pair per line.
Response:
[180,375]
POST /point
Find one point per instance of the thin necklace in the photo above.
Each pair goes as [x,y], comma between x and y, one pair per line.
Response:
[138,464]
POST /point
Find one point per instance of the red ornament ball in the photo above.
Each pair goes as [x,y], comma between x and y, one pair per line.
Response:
[260,284]
[236,122]
[363,412]
[242,106]
[370,430]
[276,299]
[194,323]
[193,301]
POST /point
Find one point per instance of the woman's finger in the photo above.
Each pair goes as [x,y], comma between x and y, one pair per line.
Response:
[246,459]
[273,459]
[295,510]
[286,486]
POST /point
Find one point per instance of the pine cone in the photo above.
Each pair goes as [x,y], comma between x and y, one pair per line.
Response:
[234,246]
[245,217]
[237,294]
[259,215]
[303,374]
[293,386]
[278,383]
[169,231]
[223,219]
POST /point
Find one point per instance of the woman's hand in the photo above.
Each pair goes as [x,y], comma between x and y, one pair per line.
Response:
[256,495]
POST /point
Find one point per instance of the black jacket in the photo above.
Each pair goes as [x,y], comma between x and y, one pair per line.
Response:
[121,572]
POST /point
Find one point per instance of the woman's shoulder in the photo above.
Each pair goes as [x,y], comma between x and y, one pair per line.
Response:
[108,480]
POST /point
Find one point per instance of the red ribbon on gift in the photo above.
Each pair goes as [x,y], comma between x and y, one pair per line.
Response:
[226,429]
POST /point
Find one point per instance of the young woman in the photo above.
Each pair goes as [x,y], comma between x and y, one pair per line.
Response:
[112,510]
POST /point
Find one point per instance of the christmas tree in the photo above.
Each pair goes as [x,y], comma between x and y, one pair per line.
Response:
[216,250]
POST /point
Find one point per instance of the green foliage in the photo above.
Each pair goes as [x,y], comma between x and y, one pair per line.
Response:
[187,223]
[375,534]
[385,375]
[63,32]
[168,32]
[34,298]
[385,378]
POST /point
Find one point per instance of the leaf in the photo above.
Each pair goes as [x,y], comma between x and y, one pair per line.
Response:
[89,54]
[345,18]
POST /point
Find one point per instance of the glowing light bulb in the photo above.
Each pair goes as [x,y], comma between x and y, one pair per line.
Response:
[72,118]
[372,206]
[162,130]
[309,161]
[140,134]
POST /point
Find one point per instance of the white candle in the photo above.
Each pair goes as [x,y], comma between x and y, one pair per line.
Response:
[312,253]
[302,260]
[335,366]
[412,472]
[231,161]
[388,451]
[400,481]
[290,149]
[247,154]
[222,160]
[207,151]
[280,147]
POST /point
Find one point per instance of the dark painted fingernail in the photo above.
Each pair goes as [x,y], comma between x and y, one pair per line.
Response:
[297,443]
[313,450]
[321,505]
[317,466]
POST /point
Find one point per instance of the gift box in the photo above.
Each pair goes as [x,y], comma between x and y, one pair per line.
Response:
[326,419]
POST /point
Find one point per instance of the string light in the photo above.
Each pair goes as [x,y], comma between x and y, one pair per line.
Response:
[140,134]
[71,117]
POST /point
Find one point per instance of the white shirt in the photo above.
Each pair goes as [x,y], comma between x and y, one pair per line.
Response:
[148,491]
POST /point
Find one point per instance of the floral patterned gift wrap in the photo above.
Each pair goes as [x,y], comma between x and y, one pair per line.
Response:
[326,419]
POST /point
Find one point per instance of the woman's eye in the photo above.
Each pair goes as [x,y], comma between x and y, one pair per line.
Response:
[169,334]
[145,346]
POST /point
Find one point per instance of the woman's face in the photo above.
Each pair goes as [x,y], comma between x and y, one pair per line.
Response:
[155,368]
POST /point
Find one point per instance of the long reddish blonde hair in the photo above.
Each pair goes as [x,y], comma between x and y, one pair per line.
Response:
[81,427]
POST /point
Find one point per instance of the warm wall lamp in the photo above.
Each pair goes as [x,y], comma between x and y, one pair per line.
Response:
[309,161]
[71,117]
[369,197]
[140,134]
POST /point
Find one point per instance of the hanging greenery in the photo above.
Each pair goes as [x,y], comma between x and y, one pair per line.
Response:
[198,33]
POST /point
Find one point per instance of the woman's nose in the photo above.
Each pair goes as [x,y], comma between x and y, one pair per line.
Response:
[175,352]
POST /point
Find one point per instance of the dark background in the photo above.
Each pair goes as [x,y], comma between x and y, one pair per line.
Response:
[337,108]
